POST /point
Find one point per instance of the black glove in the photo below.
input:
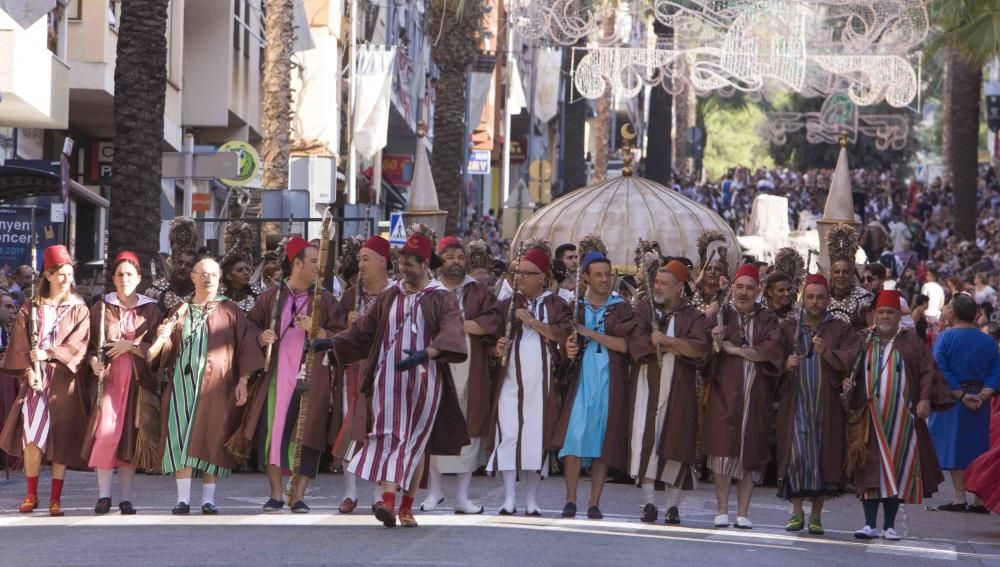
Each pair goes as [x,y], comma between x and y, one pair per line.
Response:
[413,359]
[320,345]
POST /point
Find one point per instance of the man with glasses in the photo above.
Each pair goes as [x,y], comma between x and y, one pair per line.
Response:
[526,398]
[209,349]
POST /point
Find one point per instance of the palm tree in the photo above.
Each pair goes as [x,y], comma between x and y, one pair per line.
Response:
[140,93]
[276,111]
[453,26]
[970,36]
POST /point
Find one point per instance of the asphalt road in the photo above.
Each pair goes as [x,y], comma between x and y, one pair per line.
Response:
[242,535]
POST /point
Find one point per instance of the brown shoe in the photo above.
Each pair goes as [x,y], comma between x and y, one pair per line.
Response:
[55,509]
[386,515]
[406,519]
[29,504]
[348,506]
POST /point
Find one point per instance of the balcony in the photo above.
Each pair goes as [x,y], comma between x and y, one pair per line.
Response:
[34,82]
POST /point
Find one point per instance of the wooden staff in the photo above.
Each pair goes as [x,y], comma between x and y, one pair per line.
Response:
[509,330]
[33,315]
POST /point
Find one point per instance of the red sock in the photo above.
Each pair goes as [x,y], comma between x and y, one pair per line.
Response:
[57,484]
[32,485]
[407,503]
[389,500]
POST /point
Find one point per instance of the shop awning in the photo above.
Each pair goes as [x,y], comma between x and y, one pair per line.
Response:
[24,179]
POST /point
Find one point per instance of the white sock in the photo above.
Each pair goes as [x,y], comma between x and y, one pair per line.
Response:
[104,477]
[376,492]
[533,479]
[125,477]
[674,496]
[208,493]
[350,486]
[435,485]
[648,490]
[184,490]
[509,490]
[462,493]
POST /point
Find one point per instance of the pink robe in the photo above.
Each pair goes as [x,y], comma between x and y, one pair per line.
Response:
[289,360]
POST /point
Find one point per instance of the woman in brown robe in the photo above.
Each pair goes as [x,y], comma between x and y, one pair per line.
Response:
[115,438]
[52,406]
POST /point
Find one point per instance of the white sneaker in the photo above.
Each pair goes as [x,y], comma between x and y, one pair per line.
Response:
[743,523]
[866,532]
[891,535]
[722,521]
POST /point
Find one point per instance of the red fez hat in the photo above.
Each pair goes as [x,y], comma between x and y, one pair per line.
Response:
[539,258]
[55,256]
[750,271]
[378,245]
[817,279]
[127,256]
[888,298]
[448,242]
[295,245]
[419,245]
[679,270]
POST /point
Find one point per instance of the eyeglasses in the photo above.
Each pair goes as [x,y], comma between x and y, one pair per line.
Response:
[206,275]
[525,274]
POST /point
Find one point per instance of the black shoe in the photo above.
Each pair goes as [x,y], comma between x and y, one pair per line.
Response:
[506,512]
[209,510]
[273,505]
[673,516]
[649,513]
[979,509]
[594,513]
[126,508]
[569,510]
[300,507]
[181,509]
[954,507]
[103,506]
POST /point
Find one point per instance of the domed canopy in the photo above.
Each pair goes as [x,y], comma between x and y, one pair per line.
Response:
[622,210]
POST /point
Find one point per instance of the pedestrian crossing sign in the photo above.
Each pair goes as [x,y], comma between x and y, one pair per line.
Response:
[397,231]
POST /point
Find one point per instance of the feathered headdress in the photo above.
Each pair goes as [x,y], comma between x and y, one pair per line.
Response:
[790,262]
[591,243]
[239,242]
[479,256]
[423,229]
[539,243]
[842,243]
[648,258]
[183,235]
[710,240]
[349,254]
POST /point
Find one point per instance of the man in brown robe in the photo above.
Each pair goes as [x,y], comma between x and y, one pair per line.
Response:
[665,346]
[593,425]
[481,319]
[741,379]
[48,420]
[208,349]
[413,333]
[285,313]
[811,426]
[349,425]
[897,387]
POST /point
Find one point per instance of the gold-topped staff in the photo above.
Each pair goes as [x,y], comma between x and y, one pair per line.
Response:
[628,134]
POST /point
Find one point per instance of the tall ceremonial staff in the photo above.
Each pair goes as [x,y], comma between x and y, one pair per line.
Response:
[308,352]
[797,345]
[36,366]
[509,330]
[101,343]
[276,308]
[651,267]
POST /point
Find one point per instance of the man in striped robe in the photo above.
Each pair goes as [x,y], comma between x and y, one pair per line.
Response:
[411,335]
[898,387]
[665,346]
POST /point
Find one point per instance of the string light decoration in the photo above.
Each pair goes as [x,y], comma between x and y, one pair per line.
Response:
[839,115]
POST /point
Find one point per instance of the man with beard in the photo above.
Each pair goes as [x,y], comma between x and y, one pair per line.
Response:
[811,426]
[208,350]
[740,380]
[666,346]
[350,424]
[568,255]
[526,398]
[481,319]
[412,333]
[593,426]
[273,414]
[848,301]
[898,387]
[171,291]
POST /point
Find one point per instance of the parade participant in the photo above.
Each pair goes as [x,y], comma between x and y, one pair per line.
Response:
[506,289]
[709,292]
[129,325]
[784,283]
[350,424]
[49,417]
[873,277]
[896,391]
[413,332]
[811,426]
[526,400]
[176,287]
[665,347]
[481,318]
[970,362]
[480,262]
[567,254]
[208,350]
[593,425]
[237,267]
[740,380]
[284,312]
[848,300]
